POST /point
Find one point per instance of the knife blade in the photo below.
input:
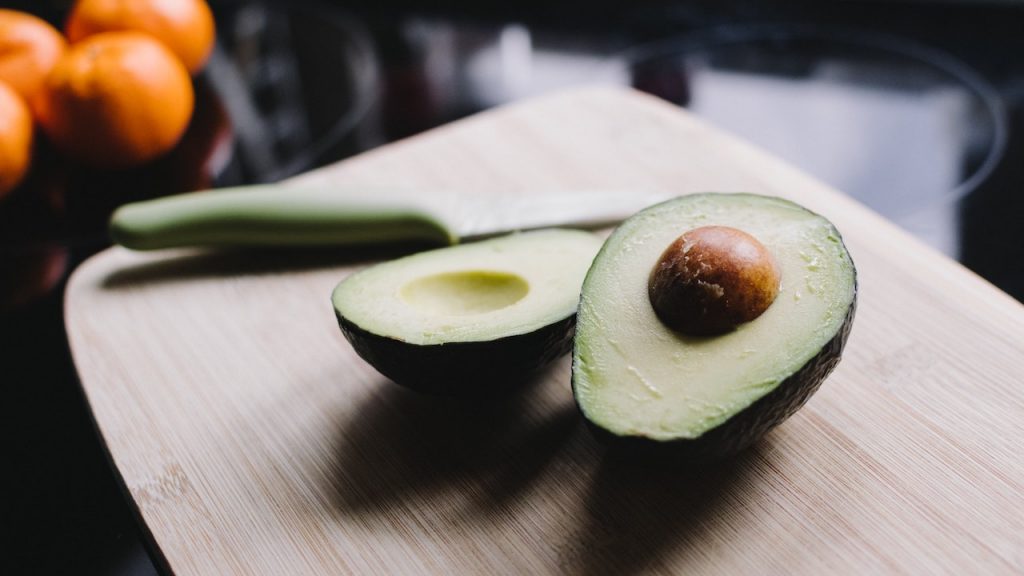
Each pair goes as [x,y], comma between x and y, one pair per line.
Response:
[271,215]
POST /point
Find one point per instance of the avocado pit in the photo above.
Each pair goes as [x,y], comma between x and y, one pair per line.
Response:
[712,279]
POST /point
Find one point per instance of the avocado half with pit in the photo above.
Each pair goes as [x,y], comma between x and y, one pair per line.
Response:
[708,319]
[469,319]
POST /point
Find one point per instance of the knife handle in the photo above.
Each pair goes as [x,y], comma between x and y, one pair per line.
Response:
[269,215]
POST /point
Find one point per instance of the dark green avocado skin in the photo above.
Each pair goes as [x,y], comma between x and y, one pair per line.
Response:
[753,422]
[463,368]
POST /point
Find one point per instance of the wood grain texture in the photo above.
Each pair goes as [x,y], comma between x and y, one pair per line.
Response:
[254,441]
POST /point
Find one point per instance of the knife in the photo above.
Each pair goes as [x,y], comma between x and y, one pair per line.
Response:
[274,215]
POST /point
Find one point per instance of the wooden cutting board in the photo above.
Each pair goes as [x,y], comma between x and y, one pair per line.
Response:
[254,441]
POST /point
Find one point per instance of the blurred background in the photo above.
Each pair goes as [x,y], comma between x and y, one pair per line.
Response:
[915,108]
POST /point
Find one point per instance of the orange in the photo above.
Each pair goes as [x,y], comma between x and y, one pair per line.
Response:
[185,26]
[116,99]
[15,139]
[29,48]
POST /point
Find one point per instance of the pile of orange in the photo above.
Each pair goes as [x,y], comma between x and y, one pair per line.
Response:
[114,91]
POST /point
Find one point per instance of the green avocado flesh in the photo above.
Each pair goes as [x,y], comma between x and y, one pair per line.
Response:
[635,377]
[452,318]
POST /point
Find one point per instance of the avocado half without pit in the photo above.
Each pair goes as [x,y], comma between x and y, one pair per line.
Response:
[707,320]
[469,319]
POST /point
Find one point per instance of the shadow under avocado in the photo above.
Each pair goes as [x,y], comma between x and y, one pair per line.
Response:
[639,513]
[471,456]
[457,465]
[219,263]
